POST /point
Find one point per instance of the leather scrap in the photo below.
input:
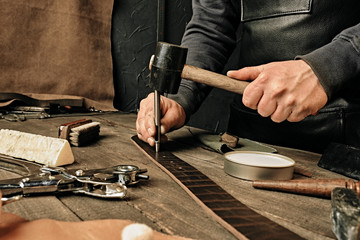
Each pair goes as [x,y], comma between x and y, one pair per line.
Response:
[230,140]
[237,218]
[216,142]
[343,159]
[8,98]
[44,100]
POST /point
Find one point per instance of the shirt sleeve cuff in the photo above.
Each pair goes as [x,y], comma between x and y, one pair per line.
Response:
[189,97]
[334,64]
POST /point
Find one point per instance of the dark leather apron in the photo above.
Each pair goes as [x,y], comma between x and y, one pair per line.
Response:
[281,30]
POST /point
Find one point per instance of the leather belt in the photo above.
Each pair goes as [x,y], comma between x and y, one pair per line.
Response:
[236,217]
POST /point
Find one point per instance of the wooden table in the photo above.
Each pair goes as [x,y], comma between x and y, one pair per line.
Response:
[160,202]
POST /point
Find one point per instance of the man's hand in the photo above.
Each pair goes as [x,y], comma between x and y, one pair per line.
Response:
[173,117]
[286,90]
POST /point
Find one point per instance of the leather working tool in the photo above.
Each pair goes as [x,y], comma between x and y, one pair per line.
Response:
[21,113]
[167,67]
[160,37]
[236,217]
[311,187]
[80,132]
[345,214]
[38,179]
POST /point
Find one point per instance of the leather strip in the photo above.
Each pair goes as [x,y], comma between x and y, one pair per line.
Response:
[236,217]
[7,98]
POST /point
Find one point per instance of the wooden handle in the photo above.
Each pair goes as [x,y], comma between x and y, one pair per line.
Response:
[313,187]
[213,79]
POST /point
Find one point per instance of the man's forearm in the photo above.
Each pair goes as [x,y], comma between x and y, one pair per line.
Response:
[210,38]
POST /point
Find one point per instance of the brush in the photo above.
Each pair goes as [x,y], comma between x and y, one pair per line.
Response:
[81,132]
[49,151]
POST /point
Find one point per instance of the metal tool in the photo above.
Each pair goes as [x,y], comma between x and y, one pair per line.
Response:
[109,182]
[157,95]
[168,68]
[165,77]
[21,113]
[345,214]
[157,110]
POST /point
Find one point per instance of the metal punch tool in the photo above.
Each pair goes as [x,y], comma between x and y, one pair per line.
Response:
[36,179]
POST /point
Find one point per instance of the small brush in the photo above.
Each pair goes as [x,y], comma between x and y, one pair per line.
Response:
[81,132]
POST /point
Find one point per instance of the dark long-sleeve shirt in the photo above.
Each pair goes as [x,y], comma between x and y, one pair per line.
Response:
[335,57]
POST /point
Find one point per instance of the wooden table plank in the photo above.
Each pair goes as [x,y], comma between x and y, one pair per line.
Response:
[155,202]
[286,209]
[160,202]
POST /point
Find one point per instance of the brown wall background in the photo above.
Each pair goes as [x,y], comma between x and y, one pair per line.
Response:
[57,47]
[64,47]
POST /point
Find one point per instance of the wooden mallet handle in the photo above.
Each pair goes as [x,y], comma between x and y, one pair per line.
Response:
[213,79]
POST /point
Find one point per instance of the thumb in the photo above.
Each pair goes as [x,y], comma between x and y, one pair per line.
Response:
[245,74]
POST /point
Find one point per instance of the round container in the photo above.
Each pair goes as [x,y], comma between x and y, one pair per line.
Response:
[251,165]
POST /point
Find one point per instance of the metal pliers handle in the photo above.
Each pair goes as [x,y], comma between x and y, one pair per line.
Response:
[105,182]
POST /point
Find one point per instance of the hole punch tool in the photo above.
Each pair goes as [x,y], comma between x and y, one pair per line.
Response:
[165,77]
[36,179]
[167,68]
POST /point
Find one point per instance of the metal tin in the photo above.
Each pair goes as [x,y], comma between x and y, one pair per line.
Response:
[251,165]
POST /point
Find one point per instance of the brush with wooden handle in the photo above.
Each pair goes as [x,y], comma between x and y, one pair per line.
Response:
[80,132]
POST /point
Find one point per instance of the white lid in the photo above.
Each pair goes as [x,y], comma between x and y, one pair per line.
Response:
[259,159]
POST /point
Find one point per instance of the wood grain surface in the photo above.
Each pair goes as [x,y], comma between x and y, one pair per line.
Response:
[160,202]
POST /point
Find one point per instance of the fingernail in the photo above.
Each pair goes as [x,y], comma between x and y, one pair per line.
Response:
[162,129]
[230,72]
[151,141]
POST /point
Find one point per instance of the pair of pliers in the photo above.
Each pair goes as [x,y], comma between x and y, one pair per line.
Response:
[36,179]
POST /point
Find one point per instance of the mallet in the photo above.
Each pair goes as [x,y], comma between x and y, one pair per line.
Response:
[168,68]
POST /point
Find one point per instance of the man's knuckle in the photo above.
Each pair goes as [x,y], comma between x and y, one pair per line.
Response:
[263,78]
[290,101]
[276,118]
[296,117]
[246,101]
[263,111]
